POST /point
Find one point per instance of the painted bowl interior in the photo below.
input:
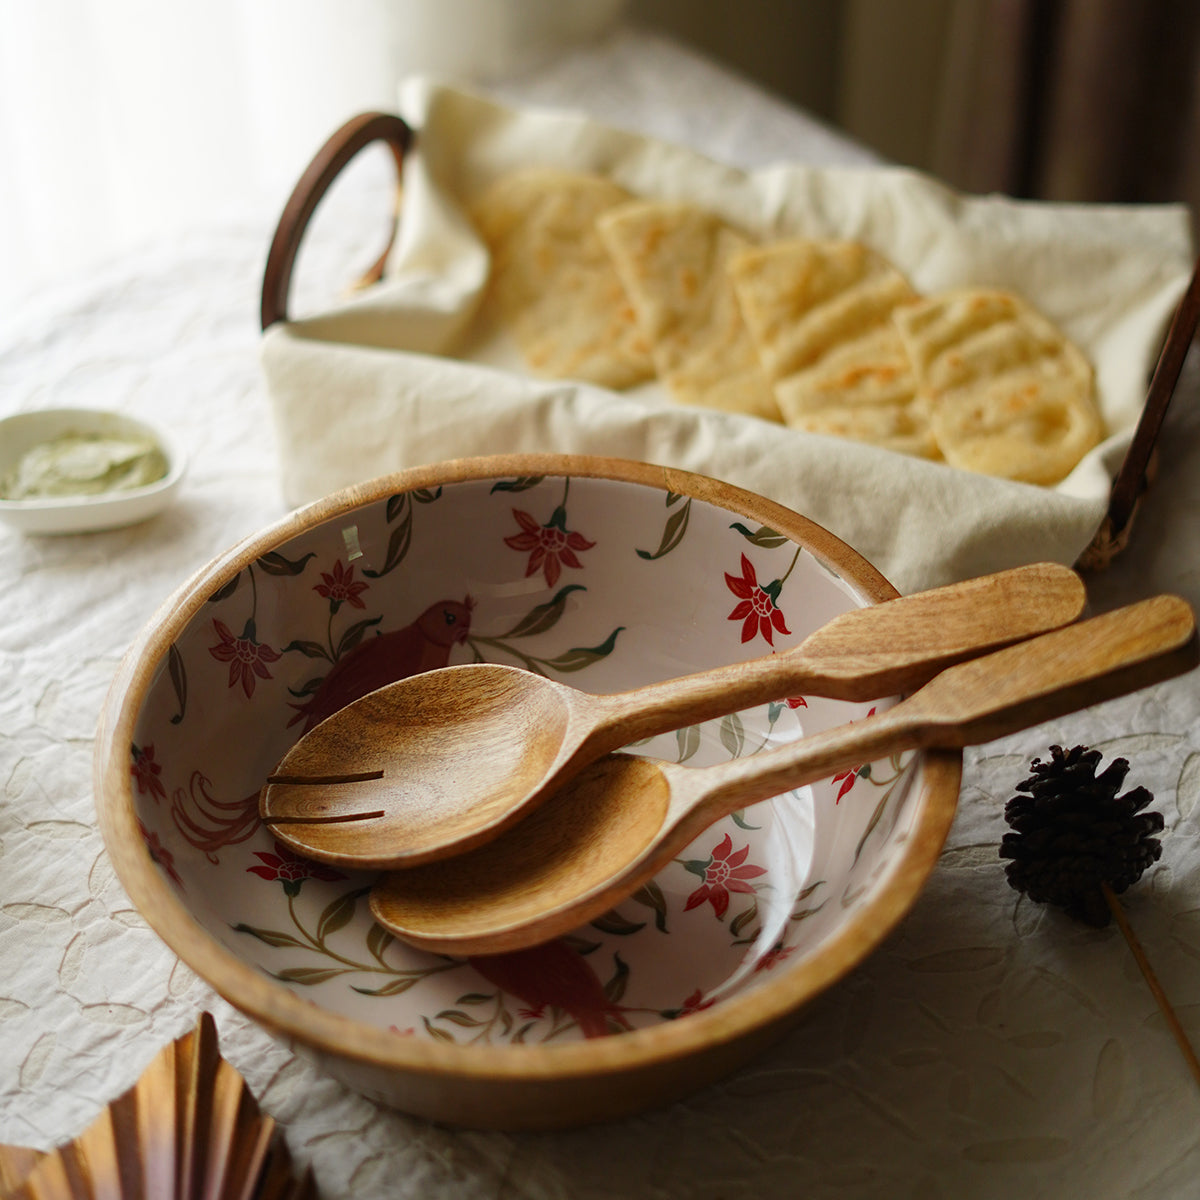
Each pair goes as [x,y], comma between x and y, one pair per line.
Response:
[603,583]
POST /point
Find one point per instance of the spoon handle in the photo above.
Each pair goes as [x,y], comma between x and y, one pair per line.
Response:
[1035,681]
[880,650]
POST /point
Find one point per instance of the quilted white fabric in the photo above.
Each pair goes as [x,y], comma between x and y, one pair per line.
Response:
[988,1049]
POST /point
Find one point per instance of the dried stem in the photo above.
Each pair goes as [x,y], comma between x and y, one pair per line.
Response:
[1152,982]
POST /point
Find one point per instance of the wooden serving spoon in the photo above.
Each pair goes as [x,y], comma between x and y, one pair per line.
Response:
[624,818]
[438,763]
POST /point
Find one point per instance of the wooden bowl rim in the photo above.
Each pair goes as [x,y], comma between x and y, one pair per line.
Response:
[287,1014]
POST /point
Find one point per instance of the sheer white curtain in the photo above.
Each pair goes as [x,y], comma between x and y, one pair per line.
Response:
[126,121]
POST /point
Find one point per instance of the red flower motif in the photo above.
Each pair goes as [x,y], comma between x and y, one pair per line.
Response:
[247,657]
[773,957]
[290,869]
[146,771]
[722,873]
[340,587]
[758,609]
[549,546]
[847,778]
[693,1004]
[159,853]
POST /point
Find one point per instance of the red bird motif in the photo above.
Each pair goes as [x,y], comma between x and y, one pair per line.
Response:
[553,975]
[422,646]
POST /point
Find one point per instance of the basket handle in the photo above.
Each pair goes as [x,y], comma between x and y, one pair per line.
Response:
[1133,477]
[356,134]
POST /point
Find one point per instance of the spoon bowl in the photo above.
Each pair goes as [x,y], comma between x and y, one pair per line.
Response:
[344,781]
[623,818]
[440,763]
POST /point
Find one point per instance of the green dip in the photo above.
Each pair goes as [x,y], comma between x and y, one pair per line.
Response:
[84,464]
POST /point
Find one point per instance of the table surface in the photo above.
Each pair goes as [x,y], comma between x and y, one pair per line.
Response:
[989,1045]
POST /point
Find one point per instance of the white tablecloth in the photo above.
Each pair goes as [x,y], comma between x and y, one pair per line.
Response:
[990,1047]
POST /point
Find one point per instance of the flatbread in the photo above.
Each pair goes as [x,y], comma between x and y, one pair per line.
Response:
[820,313]
[552,282]
[673,259]
[1010,394]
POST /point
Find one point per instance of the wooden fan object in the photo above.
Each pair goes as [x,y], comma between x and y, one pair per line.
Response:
[189,1129]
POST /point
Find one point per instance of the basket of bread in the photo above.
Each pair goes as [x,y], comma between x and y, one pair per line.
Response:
[952,384]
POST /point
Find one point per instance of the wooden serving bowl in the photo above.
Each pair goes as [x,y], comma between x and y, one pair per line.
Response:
[607,574]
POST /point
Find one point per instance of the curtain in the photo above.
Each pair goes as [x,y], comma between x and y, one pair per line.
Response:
[126,121]
[1089,100]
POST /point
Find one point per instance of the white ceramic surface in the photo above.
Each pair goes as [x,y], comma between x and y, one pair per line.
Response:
[82,514]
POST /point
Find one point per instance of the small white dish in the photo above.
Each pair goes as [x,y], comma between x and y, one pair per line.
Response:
[81,514]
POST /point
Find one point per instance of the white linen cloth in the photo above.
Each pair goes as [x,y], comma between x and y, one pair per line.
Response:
[989,1048]
[399,376]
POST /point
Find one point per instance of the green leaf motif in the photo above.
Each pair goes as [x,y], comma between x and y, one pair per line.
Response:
[762,536]
[308,648]
[740,821]
[396,505]
[802,914]
[378,940]
[578,944]
[271,936]
[697,866]
[310,975]
[307,688]
[612,922]
[733,734]
[688,741]
[743,919]
[672,533]
[522,484]
[395,988]
[426,495]
[338,913]
[398,545]
[354,635]
[544,616]
[274,563]
[651,895]
[434,1032]
[579,657]
[458,1018]
[876,816]
[614,989]
[474,998]
[226,590]
[178,673]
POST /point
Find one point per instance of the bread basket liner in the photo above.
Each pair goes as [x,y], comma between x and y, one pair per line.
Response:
[403,373]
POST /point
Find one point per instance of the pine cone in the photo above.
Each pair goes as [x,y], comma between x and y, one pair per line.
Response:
[1073,833]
